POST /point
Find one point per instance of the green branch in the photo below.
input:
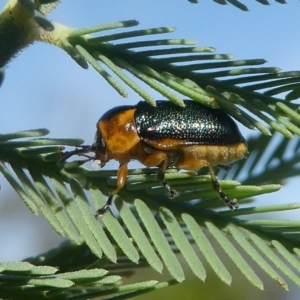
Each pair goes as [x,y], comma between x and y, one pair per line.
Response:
[67,195]
[146,227]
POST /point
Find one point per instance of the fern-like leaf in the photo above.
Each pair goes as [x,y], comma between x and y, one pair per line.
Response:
[22,279]
[146,226]
[240,5]
[177,69]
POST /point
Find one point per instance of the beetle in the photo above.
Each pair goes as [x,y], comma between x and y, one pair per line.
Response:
[166,136]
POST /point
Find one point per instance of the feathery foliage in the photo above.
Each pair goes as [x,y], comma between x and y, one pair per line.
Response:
[176,68]
[144,226]
[240,5]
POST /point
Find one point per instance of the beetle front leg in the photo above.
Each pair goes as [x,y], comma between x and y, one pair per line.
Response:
[121,179]
[231,203]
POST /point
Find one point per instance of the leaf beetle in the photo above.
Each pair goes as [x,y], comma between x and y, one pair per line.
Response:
[166,136]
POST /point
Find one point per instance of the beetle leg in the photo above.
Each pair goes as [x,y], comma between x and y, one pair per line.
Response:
[100,212]
[231,203]
[163,160]
[121,179]
[161,176]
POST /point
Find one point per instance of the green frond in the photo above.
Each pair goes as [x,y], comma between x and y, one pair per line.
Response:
[178,69]
[240,5]
[144,226]
[23,280]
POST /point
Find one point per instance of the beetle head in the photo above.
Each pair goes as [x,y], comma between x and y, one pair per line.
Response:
[100,149]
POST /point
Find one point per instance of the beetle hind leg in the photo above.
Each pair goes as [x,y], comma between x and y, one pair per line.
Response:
[231,203]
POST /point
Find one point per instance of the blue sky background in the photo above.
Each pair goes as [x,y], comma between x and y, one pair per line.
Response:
[45,88]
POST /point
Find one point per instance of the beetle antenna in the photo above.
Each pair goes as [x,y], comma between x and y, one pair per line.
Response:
[231,203]
[78,151]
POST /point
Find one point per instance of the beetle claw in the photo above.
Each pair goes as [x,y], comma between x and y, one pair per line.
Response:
[101,211]
[231,203]
[172,193]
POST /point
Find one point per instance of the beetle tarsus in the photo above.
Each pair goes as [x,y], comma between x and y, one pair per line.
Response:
[231,203]
[101,211]
[172,193]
